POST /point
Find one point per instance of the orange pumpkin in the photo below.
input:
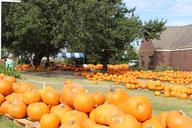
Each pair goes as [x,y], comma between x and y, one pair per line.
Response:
[138,106]
[5,87]
[2,98]
[32,96]
[99,98]
[60,110]
[49,121]
[4,107]
[152,123]
[176,119]
[74,115]
[125,121]
[69,92]
[157,93]
[71,124]
[17,109]
[22,87]
[15,96]
[11,79]
[84,102]
[105,113]
[163,116]
[36,110]
[50,96]
[116,96]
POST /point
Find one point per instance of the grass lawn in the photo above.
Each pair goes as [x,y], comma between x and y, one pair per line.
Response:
[160,103]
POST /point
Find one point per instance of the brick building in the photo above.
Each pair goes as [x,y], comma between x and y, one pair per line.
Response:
[173,49]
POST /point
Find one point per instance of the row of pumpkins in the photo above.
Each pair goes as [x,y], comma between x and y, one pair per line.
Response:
[179,91]
[75,107]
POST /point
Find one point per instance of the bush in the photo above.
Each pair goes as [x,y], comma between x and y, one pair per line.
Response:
[164,68]
[9,71]
[138,68]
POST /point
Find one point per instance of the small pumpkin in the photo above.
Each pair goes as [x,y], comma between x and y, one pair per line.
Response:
[50,96]
[84,102]
[4,107]
[116,96]
[60,110]
[49,121]
[99,98]
[31,96]
[17,109]
[5,87]
[152,123]
[36,110]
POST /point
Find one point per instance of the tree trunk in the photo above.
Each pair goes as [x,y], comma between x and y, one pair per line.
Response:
[37,60]
[105,59]
[48,61]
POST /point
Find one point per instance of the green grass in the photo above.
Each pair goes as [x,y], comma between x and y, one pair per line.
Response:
[57,79]
[7,123]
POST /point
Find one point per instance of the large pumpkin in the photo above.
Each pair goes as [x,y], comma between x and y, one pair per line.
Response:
[176,119]
[60,110]
[5,87]
[49,121]
[31,96]
[163,117]
[17,109]
[125,121]
[116,96]
[36,110]
[105,113]
[50,96]
[138,106]
[83,102]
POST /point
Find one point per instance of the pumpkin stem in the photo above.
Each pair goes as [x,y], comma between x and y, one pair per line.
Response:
[180,111]
[149,126]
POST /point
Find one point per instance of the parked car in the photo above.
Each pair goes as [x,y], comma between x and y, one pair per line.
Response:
[133,63]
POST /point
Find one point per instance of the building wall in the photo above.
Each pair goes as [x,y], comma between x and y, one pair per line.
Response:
[181,60]
[161,58]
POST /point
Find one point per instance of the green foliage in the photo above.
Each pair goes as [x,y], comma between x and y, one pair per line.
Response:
[164,68]
[7,123]
[9,71]
[152,29]
[42,27]
[138,68]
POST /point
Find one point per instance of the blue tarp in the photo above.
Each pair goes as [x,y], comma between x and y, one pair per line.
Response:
[70,55]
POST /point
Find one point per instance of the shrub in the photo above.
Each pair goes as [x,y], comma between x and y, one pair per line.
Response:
[164,68]
[9,71]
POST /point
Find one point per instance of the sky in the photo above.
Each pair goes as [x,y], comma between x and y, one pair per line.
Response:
[176,12]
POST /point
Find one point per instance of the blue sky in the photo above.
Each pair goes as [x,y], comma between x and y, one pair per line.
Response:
[176,12]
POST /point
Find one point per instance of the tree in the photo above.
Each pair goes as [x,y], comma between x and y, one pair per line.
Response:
[97,28]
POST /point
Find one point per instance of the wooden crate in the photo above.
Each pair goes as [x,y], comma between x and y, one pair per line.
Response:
[24,121]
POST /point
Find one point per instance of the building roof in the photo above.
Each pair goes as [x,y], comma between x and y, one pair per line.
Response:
[175,38]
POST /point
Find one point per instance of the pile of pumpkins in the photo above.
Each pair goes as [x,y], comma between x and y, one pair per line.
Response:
[178,91]
[75,107]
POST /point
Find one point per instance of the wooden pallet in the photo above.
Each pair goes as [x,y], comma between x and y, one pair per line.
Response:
[24,121]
